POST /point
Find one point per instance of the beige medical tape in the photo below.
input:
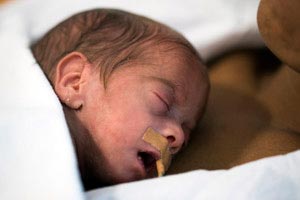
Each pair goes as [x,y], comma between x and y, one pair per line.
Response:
[160,143]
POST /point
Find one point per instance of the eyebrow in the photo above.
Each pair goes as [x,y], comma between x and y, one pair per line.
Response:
[164,81]
[174,86]
[167,83]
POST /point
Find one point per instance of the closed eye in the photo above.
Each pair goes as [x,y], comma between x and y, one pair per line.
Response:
[164,101]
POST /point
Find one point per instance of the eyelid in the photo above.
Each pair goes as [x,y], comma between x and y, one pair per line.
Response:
[163,100]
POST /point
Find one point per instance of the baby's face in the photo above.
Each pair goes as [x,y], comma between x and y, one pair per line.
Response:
[166,93]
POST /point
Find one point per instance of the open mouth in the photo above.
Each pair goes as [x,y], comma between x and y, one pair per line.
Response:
[149,162]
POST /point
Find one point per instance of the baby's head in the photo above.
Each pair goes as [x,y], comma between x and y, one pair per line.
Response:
[117,74]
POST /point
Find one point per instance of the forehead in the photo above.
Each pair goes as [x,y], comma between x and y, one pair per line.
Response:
[172,63]
[179,70]
[171,60]
[172,66]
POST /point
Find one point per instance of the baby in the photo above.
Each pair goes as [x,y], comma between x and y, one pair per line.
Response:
[117,75]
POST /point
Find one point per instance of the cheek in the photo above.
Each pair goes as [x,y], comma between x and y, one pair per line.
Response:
[125,118]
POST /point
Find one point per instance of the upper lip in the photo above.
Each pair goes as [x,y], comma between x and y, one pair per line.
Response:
[155,153]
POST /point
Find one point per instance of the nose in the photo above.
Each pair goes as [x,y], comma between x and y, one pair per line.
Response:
[175,136]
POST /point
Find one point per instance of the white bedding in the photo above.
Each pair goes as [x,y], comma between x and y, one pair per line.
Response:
[267,179]
[37,159]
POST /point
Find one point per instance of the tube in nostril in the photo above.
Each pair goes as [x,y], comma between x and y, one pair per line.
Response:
[161,143]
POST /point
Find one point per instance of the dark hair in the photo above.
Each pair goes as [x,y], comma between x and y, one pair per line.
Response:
[109,38]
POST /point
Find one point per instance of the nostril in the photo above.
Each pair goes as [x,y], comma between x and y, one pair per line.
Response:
[175,143]
[170,139]
[174,135]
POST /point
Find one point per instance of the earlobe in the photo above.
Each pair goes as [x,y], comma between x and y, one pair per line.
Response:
[70,78]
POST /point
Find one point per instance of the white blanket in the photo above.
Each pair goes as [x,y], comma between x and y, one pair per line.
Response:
[37,159]
[267,179]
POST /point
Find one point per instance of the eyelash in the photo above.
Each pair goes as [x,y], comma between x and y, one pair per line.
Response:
[163,101]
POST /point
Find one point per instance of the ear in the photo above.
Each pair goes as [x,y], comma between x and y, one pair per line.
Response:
[70,78]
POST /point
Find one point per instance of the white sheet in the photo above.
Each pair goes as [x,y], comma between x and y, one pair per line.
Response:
[267,179]
[37,159]
[213,26]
